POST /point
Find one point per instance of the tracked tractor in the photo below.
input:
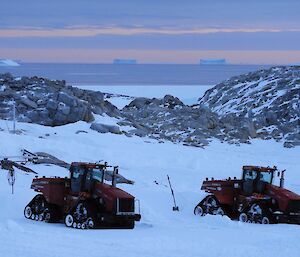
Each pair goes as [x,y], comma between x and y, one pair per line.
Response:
[85,199]
[253,198]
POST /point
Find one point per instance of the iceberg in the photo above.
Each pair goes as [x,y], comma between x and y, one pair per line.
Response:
[124,61]
[8,62]
[212,61]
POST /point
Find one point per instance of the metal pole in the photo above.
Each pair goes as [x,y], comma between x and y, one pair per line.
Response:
[14,117]
[282,179]
[114,182]
[175,208]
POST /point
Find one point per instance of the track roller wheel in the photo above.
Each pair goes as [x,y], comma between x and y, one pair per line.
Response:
[209,205]
[199,211]
[27,212]
[36,209]
[90,223]
[243,217]
[265,220]
[69,220]
[47,216]
[220,211]
[259,213]
[82,215]
[41,217]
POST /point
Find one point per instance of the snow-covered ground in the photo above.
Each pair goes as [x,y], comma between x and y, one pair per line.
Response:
[188,94]
[161,232]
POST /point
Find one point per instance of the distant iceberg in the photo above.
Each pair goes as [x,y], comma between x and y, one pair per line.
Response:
[212,61]
[124,61]
[8,62]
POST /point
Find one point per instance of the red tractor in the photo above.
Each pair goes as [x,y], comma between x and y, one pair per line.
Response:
[251,199]
[84,200]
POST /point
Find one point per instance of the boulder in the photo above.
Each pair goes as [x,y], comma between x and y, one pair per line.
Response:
[52,105]
[139,102]
[69,100]
[104,128]
[28,102]
[171,102]
[65,109]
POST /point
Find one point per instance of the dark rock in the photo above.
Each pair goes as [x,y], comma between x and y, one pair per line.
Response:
[139,132]
[66,99]
[65,109]
[110,109]
[52,105]
[171,102]
[28,102]
[271,118]
[139,102]
[290,144]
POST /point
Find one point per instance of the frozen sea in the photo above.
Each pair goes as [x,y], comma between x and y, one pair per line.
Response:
[135,74]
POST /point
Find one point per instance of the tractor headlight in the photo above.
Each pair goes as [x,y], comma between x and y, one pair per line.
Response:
[236,185]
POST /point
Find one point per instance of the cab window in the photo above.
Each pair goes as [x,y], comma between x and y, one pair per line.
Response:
[76,180]
[250,175]
[97,174]
[77,172]
[266,177]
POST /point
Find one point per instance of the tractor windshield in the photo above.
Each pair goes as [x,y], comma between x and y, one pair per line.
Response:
[263,176]
[97,174]
[255,181]
[266,176]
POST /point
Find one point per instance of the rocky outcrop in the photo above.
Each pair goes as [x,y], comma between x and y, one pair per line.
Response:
[50,102]
[169,119]
[263,104]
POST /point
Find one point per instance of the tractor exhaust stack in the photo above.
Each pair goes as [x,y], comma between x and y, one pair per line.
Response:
[282,179]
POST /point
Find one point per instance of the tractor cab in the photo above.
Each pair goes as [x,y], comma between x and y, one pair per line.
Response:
[85,175]
[256,178]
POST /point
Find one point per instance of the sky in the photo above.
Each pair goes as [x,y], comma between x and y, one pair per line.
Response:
[157,31]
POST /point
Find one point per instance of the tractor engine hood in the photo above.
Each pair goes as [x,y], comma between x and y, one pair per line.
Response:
[110,192]
[116,200]
[287,200]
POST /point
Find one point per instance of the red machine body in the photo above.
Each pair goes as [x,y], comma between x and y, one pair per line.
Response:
[252,198]
[84,200]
